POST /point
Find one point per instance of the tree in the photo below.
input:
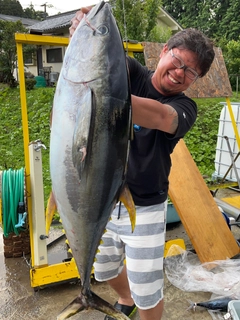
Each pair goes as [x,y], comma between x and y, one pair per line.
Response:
[8,56]
[182,11]
[14,8]
[136,18]
[216,18]
[160,34]
[193,13]
[11,7]
[230,21]
[219,12]
[232,60]
[30,13]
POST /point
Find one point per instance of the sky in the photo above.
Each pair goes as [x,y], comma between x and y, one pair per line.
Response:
[57,5]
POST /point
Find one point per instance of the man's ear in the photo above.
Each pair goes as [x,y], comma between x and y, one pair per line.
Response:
[164,51]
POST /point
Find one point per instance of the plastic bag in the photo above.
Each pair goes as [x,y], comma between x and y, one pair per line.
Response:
[184,270]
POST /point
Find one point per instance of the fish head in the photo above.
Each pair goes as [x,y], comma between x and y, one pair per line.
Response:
[94,37]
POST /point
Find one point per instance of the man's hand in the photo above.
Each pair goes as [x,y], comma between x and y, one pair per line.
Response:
[78,17]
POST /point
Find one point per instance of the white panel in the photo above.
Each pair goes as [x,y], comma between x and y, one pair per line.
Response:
[223,159]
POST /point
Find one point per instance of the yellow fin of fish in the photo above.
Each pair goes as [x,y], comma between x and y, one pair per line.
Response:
[127,200]
[50,210]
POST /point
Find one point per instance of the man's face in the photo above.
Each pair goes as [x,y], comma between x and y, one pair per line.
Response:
[167,78]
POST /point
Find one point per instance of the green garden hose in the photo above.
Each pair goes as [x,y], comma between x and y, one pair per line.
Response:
[12,200]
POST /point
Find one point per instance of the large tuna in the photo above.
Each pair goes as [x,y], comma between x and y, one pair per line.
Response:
[90,133]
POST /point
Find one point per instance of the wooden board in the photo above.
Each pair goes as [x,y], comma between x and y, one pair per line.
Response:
[199,213]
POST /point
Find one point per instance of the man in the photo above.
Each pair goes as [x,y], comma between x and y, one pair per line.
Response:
[162,115]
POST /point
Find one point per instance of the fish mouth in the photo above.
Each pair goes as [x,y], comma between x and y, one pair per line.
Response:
[85,83]
[99,7]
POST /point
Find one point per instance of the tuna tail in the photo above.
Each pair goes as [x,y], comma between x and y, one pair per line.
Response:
[219,304]
[192,306]
[91,301]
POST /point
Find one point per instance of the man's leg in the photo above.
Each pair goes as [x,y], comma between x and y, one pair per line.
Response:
[144,249]
[152,314]
[121,286]
[144,261]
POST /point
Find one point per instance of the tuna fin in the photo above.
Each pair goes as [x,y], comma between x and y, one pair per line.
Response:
[90,301]
[50,210]
[74,307]
[127,200]
[81,132]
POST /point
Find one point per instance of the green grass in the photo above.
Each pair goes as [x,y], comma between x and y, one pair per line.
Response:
[39,103]
[201,140]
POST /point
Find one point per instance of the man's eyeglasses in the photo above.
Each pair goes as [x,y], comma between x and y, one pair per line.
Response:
[179,64]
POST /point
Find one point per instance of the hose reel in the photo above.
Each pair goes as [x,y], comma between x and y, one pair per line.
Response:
[14,213]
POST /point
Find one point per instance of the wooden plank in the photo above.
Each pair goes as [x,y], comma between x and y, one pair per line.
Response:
[199,213]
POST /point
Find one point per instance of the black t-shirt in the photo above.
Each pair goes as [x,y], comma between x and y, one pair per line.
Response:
[149,158]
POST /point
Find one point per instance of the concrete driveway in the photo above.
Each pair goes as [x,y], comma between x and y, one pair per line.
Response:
[19,301]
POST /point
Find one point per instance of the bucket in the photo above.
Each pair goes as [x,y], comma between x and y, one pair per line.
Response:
[41,82]
[172,215]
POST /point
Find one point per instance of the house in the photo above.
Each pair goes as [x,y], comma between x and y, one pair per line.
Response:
[166,20]
[48,59]
[25,21]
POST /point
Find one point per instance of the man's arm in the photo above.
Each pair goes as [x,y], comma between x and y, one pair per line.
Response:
[153,114]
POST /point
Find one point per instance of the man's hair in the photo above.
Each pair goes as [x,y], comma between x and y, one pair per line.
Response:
[194,40]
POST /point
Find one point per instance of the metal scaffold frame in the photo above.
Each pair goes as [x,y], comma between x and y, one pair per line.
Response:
[41,272]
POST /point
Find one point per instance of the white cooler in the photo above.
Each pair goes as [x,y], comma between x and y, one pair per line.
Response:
[233,310]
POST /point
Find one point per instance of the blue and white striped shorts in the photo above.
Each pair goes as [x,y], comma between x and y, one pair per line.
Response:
[143,250]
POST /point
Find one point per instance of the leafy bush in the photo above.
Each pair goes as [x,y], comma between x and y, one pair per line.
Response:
[30,83]
[201,140]
[231,53]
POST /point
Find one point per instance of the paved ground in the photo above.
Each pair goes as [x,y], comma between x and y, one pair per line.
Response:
[18,301]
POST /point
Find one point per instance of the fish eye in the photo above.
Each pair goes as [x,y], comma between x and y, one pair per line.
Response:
[102,30]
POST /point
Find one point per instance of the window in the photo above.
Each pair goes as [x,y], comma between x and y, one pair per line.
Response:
[30,58]
[54,55]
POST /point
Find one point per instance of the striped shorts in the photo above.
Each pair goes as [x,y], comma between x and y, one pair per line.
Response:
[142,251]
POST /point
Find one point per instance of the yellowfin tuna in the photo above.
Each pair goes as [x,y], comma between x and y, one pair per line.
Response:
[90,135]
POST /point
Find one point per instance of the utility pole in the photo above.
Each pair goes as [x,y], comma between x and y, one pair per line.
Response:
[45,9]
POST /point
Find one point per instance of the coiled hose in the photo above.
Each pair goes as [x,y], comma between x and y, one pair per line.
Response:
[13,208]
